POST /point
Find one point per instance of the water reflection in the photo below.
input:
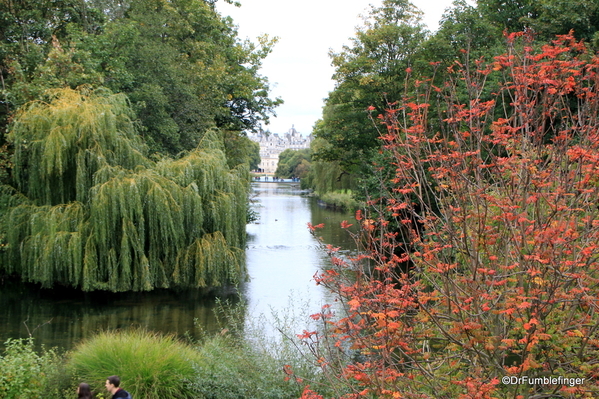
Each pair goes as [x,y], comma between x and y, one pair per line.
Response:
[282,258]
[62,318]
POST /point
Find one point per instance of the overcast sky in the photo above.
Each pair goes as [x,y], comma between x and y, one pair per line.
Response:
[299,69]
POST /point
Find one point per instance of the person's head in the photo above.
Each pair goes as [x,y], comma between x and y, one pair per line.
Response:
[84,391]
[112,383]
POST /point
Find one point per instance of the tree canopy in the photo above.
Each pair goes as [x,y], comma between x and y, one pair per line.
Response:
[368,73]
[180,63]
[392,50]
[94,212]
[293,163]
[124,157]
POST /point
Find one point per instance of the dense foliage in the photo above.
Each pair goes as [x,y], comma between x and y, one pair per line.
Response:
[93,212]
[180,63]
[27,374]
[135,190]
[393,47]
[484,270]
[294,163]
[368,73]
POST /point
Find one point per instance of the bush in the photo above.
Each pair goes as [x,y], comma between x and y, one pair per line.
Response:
[342,199]
[232,370]
[23,372]
[249,360]
[486,267]
[151,366]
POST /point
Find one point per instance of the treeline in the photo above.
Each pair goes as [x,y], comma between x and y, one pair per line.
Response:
[124,165]
[179,62]
[393,49]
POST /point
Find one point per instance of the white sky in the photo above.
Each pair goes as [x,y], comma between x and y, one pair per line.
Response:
[299,69]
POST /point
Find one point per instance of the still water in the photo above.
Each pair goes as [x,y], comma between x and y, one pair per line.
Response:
[282,257]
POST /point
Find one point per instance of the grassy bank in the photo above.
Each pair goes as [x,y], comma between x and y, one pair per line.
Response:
[340,199]
[239,362]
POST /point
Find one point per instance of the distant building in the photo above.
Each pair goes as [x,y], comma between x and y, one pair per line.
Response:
[271,145]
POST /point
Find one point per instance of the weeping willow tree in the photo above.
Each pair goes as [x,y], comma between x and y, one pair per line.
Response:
[98,214]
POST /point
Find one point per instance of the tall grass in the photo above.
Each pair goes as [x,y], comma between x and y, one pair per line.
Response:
[151,365]
[256,356]
[231,369]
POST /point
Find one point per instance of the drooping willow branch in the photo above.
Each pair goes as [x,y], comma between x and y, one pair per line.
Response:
[100,214]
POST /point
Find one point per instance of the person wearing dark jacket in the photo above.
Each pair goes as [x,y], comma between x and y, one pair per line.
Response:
[112,386]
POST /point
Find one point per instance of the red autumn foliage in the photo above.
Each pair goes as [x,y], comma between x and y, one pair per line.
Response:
[482,262]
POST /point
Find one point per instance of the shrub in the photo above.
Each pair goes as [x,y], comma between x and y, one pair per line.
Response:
[24,372]
[232,370]
[151,366]
[256,357]
[342,199]
[485,269]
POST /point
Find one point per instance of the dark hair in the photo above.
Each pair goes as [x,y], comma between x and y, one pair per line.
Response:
[85,391]
[114,380]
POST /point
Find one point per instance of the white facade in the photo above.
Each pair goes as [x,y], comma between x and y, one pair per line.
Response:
[271,145]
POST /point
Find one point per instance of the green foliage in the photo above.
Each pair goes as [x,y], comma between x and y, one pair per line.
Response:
[343,199]
[462,27]
[240,149]
[294,163]
[328,177]
[246,360]
[100,215]
[230,369]
[254,155]
[369,73]
[184,70]
[546,18]
[29,31]
[5,164]
[24,372]
[151,366]
[61,144]
[180,63]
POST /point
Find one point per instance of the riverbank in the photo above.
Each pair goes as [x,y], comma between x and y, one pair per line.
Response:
[240,337]
[341,200]
[156,366]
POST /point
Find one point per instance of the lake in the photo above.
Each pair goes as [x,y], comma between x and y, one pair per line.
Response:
[282,258]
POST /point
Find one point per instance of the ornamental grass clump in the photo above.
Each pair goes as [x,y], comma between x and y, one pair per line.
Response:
[151,365]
